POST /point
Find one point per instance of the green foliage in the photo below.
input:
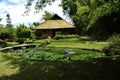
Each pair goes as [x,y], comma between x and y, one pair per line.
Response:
[114,47]
[87,17]
[66,37]
[82,10]
[0,19]
[35,33]
[58,37]
[11,31]
[36,24]
[38,34]
[114,39]
[40,4]
[20,40]
[4,35]
[111,50]
[36,54]
[47,15]
[106,14]
[23,32]
[7,32]
[57,54]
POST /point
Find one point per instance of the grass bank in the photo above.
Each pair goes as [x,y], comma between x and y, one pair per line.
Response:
[83,45]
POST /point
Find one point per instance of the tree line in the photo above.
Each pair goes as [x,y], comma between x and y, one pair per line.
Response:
[19,33]
[22,32]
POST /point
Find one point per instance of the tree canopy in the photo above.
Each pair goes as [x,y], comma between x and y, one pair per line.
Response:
[99,14]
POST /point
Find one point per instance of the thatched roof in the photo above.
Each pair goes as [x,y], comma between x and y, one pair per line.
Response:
[54,23]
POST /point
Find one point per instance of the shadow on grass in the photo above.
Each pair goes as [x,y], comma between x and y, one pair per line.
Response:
[95,69]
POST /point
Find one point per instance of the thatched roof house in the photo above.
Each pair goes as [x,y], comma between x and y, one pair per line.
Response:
[56,23]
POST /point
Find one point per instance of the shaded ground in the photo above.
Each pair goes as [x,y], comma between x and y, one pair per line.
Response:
[93,69]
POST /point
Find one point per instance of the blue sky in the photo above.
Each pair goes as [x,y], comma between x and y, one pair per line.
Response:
[12,2]
[16,9]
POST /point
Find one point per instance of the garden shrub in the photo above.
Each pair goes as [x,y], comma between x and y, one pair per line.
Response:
[114,47]
[65,37]
[115,38]
[56,54]
[83,39]
[58,37]
[36,54]
[20,40]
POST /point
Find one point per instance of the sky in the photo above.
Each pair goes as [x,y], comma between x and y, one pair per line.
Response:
[16,10]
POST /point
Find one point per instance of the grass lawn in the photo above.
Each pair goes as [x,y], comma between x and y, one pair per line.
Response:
[5,67]
[105,68]
[83,45]
[74,42]
[47,63]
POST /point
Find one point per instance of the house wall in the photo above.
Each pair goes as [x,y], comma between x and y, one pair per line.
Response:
[48,33]
[51,32]
[68,31]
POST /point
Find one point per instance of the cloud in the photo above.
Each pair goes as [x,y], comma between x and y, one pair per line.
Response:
[16,13]
[17,1]
[16,9]
[7,2]
[12,2]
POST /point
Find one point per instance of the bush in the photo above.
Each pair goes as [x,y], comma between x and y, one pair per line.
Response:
[20,40]
[115,39]
[36,54]
[4,35]
[114,47]
[58,37]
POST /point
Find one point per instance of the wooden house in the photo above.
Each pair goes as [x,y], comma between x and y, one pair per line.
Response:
[55,24]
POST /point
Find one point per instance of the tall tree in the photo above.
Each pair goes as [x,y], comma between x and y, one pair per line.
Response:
[0,19]
[11,32]
[95,14]
[8,20]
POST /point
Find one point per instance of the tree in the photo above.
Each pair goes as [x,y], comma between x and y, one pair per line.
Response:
[11,32]
[8,20]
[35,23]
[0,19]
[40,4]
[22,31]
[7,32]
[47,15]
[36,33]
